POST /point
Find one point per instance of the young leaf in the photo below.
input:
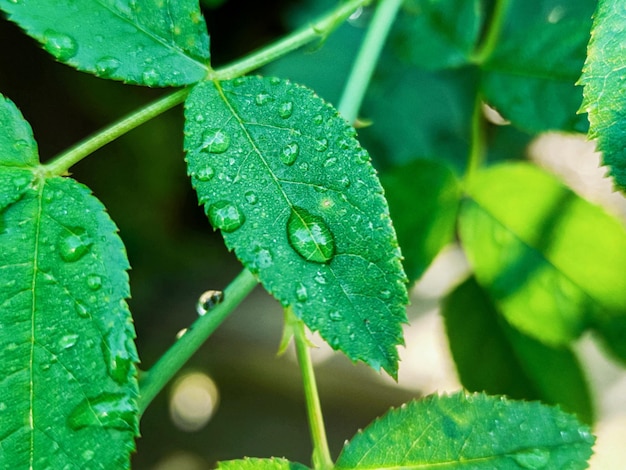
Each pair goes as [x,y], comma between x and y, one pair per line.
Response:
[283,177]
[603,78]
[528,238]
[260,464]
[68,387]
[470,432]
[529,78]
[491,356]
[144,42]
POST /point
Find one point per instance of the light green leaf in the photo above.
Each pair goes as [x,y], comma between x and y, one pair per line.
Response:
[530,76]
[260,464]
[528,238]
[603,78]
[470,432]
[423,198]
[144,42]
[67,375]
[438,34]
[491,356]
[283,177]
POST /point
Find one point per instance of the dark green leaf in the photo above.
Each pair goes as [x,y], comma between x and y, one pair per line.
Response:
[423,199]
[530,76]
[528,238]
[295,196]
[603,80]
[145,42]
[67,356]
[470,432]
[260,464]
[491,356]
[439,34]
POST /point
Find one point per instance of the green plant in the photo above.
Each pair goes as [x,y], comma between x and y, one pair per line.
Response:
[281,174]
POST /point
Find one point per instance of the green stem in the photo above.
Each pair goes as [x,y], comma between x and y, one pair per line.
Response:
[321,453]
[493,34]
[477,148]
[318,29]
[367,58]
[153,381]
[62,163]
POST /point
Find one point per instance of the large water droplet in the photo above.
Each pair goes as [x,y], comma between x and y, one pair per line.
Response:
[75,244]
[215,141]
[107,66]
[67,341]
[60,45]
[301,292]
[289,153]
[81,310]
[117,355]
[108,410]
[225,216]
[309,236]
[208,300]
[205,174]
[534,459]
[285,110]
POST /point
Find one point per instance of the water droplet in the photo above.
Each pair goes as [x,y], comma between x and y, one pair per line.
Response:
[225,216]
[262,258]
[318,119]
[205,174]
[334,342]
[75,245]
[208,300]
[335,315]
[330,161]
[215,141]
[81,310]
[151,77]
[321,145]
[251,197]
[60,45]
[181,333]
[200,117]
[262,98]
[290,153]
[304,166]
[275,80]
[239,81]
[88,455]
[107,66]
[320,277]
[117,354]
[345,182]
[21,182]
[67,341]
[94,282]
[533,459]
[285,110]
[107,410]
[362,156]
[301,292]
[309,236]
[385,294]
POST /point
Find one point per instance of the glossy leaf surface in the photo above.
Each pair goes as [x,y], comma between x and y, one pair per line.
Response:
[260,464]
[528,238]
[470,432]
[283,177]
[491,356]
[67,375]
[603,79]
[144,42]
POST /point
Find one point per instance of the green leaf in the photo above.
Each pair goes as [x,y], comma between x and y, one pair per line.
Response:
[144,42]
[440,34]
[283,177]
[491,356]
[260,464]
[423,199]
[603,78]
[528,238]
[529,78]
[68,387]
[470,432]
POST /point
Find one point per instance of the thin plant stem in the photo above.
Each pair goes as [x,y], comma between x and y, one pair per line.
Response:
[321,452]
[153,381]
[62,162]
[317,29]
[493,34]
[477,145]
[367,58]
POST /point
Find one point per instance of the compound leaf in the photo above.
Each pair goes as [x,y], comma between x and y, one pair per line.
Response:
[470,432]
[283,177]
[603,79]
[144,42]
[67,375]
[260,464]
[527,237]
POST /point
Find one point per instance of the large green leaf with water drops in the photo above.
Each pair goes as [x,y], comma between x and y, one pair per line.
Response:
[145,42]
[603,79]
[491,356]
[260,464]
[67,375]
[529,240]
[294,194]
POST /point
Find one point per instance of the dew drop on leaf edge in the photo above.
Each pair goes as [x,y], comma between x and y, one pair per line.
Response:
[60,45]
[534,459]
[309,236]
[107,66]
[114,411]
[225,216]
